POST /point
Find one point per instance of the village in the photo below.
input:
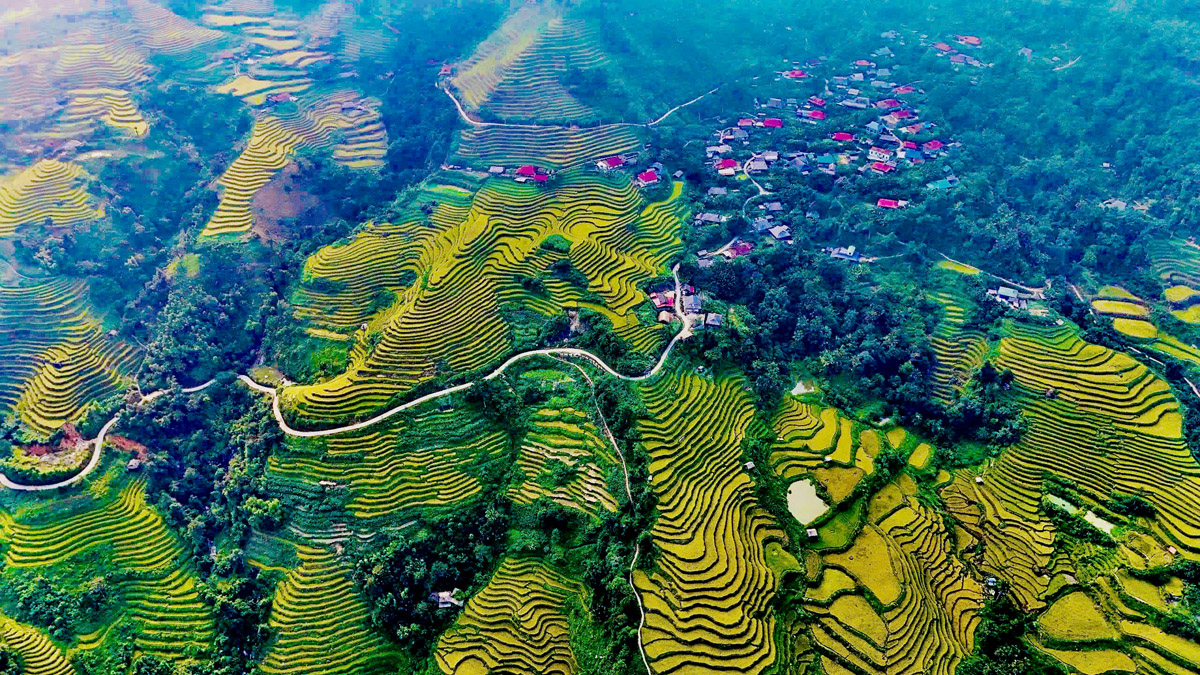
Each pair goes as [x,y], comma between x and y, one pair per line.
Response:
[852,123]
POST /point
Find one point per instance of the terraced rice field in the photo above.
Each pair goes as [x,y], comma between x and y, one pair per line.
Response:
[959,351]
[428,462]
[1110,425]
[558,147]
[343,123]
[898,600]
[54,358]
[452,270]
[37,653]
[1109,611]
[321,622]
[515,74]
[33,79]
[112,107]
[161,30]
[708,601]
[825,445]
[563,434]
[49,190]
[157,590]
[1177,264]
[516,624]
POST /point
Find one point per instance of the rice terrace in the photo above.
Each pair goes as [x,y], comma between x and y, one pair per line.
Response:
[455,337]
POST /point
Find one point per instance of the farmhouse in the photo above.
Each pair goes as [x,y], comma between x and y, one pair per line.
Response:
[848,253]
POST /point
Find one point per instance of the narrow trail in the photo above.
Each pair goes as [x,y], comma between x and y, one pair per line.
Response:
[1039,292]
[277,413]
[466,117]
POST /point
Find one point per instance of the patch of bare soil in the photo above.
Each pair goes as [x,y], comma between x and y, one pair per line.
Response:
[283,202]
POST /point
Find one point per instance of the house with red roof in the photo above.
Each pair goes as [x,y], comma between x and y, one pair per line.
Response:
[740,248]
[817,101]
[903,89]
[958,59]
[281,98]
[541,178]
[969,40]
[913,128]
[727,164]
[745,122]
[879,154]
[863,63]
[795,74]
[903,114]
[932,146]
[843,136]
[909,145]
[614,162]
[815,114]
[647,178]
[943,47]
[528,171]
[891,203]
[446,69]
[774,122]
[888,103]
[881,167]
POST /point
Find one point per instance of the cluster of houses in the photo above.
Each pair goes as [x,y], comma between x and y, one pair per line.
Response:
[522,174]
[738,247]
[959,58]
[652,175]
[691,304]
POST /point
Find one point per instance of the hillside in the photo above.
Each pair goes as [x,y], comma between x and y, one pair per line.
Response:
[599,338]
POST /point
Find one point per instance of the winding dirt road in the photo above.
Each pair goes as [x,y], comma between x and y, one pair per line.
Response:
[554,352]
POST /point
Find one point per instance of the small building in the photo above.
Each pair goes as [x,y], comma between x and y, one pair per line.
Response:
[691,304]
[843,136]
[446,599]
[882,167]
[646,178]
[817,115]
[968,40]
[817,101]
[858,103]
[891,203]
[665,317]
[812,534]
[888,104]
[756,166]
[133,464]
[614,162]
[943,47]
[718,191]
[903,89]
[849,253]
[780,232]
[527,171]
[761,224]
[1114,204]
[932,146]
[773,123]
[713,320]
[774,207]
[771,156]
[876,154]
[745,122]
[496,170]
[795,74]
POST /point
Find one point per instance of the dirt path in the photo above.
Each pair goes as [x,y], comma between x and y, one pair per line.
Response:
[466,117]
